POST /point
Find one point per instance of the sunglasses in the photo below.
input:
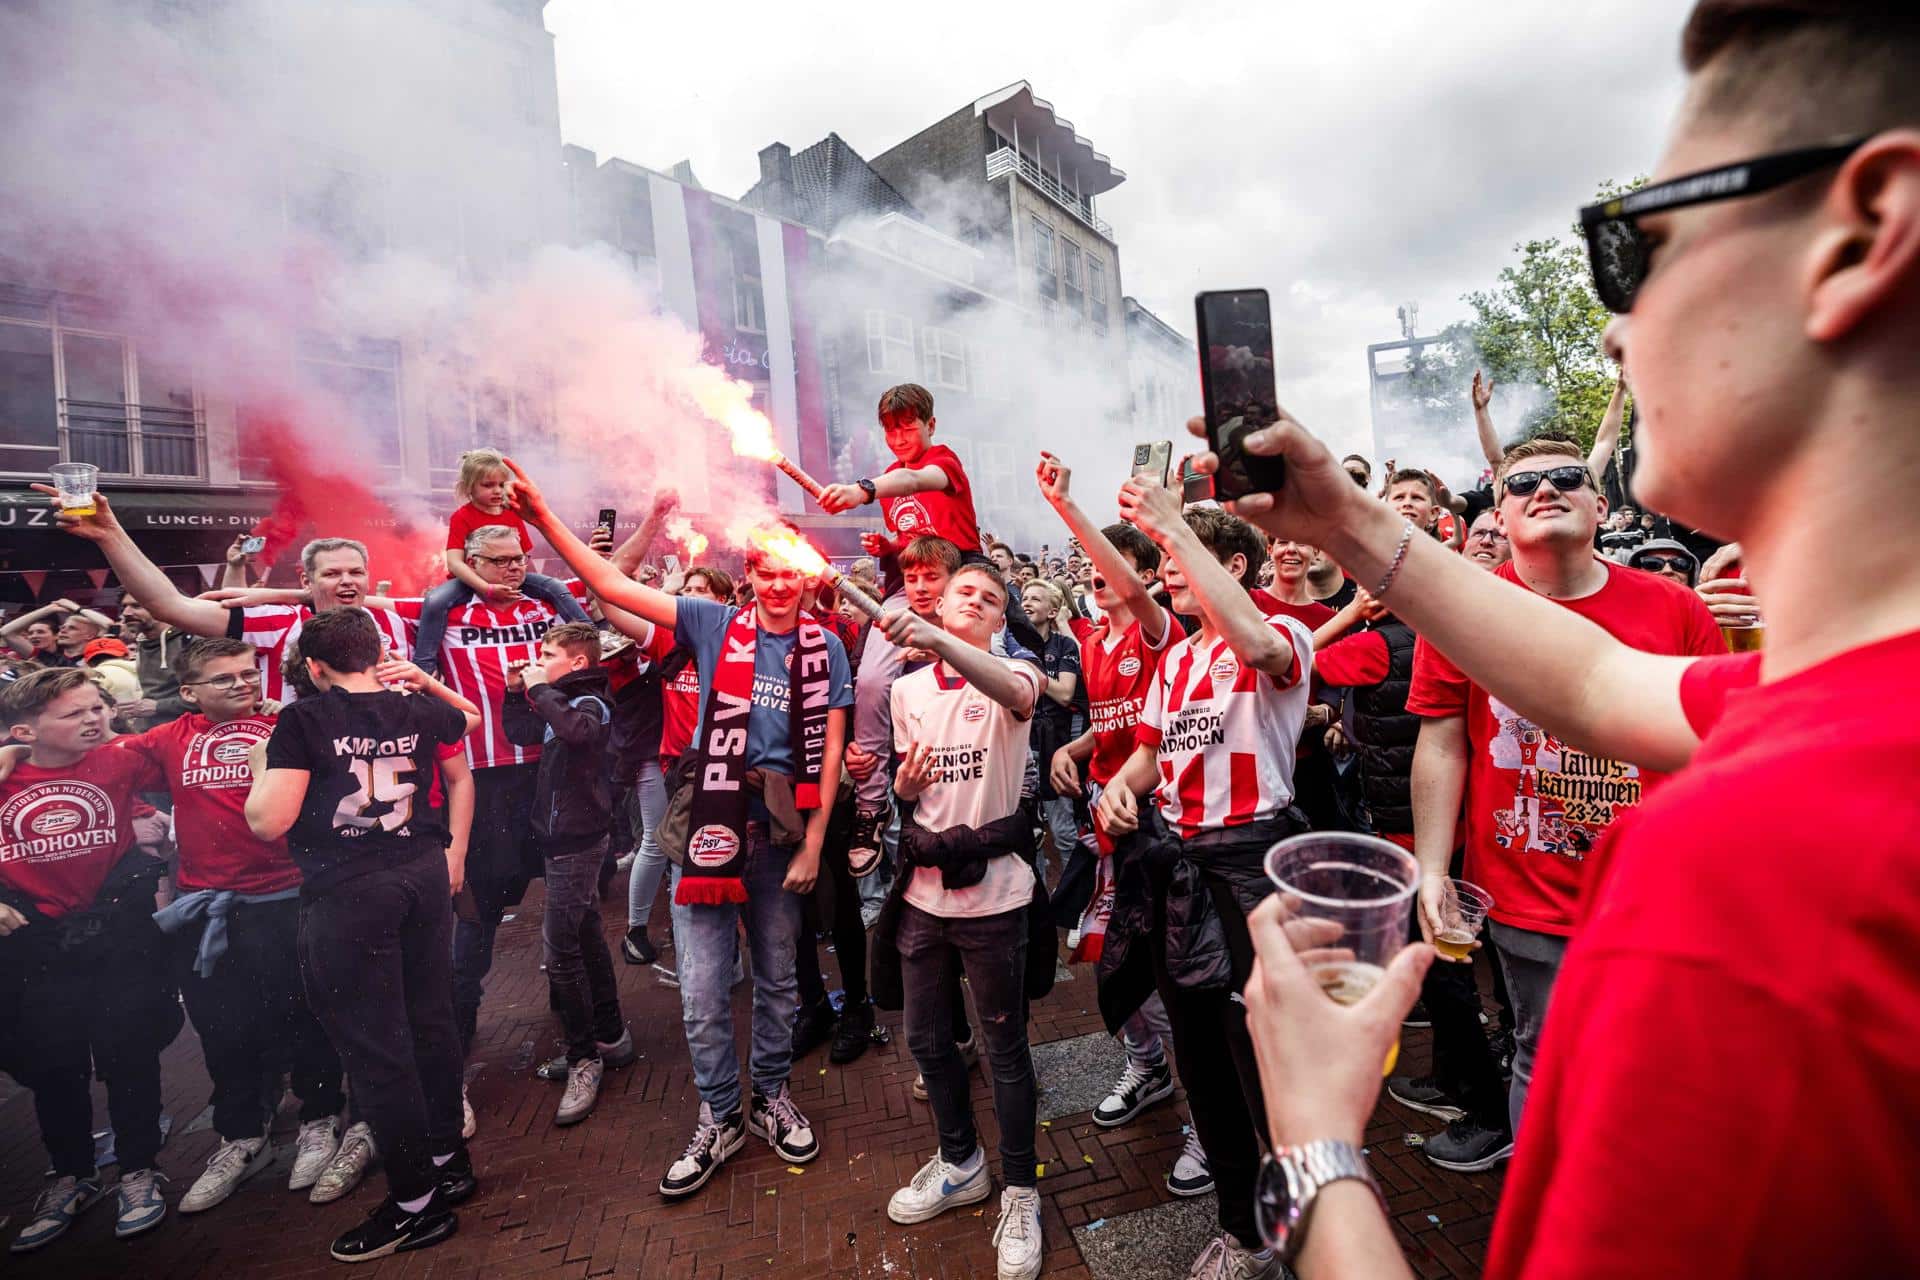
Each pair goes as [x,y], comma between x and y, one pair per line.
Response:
[1565,479]
[1655,563]
[1620,251]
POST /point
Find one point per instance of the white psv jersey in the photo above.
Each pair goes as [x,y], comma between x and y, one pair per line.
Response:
[1225,732]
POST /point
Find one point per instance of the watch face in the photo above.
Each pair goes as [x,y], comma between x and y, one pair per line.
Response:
[1277,1203]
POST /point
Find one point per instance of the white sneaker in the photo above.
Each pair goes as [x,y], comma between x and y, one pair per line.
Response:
[939,1186]
[583,1090]
[348,1166]
[315,1146]
[1225,1259]
[1190,1175]
[467,1123]
[1018,1235]
[231,1164]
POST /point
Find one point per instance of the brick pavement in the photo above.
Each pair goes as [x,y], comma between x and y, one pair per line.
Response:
[582,1202]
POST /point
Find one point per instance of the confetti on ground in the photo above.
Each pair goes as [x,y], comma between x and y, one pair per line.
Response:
[1046,1124]
[795,1169]
[772,1191]
[1088,1159]
[1415,1140]
[1040,1170]
[1435,1221]
[1096,1224]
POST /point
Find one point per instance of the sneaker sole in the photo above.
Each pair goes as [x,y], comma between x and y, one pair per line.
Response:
[316,1195]
[1158,1095]
[966,1195]
[726,1153]
[122,1232]
[562,1120]
[1190,1188]
[767,1135]
[254,1166]
[1440,1109]
[425,1241]
[1472,1166]
[44,1241]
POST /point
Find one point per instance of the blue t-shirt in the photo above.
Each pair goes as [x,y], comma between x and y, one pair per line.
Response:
[701,625]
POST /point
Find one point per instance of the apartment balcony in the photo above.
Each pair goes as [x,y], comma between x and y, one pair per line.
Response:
[1006,160]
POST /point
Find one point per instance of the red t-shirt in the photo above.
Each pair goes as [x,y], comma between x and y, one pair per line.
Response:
[1727,1080]
[1119,671]
[206,769]
[62,830]
[1313,613]
[1535,806]
[947,512]
[679,698]
[1354,661]
[469,517]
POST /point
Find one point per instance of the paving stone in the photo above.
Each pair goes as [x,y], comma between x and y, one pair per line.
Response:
[1076,1073]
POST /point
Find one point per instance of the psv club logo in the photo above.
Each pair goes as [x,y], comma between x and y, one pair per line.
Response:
[1225,669]
[974,712]
[712,846]
[1129,667]
[909,516]
[55,822]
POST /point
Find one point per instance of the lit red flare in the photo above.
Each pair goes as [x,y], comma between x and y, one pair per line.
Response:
[797,553]
[752,437]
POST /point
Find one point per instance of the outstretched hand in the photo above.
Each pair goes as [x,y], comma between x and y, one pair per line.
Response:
[94,528]
[1482,390]
[1318,496]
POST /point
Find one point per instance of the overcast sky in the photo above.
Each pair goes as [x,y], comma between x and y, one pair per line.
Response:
[1346,157]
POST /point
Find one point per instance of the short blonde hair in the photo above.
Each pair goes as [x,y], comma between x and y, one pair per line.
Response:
[475,466]
[1541,447]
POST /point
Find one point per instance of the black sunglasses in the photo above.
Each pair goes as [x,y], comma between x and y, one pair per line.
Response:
[1654,563]
[1618,249]
[1565,479]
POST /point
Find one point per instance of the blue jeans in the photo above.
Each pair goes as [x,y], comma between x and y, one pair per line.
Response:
[649,864]
[707,949]
[433,611]
[1531,961]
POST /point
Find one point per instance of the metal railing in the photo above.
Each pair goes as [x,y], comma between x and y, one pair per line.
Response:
[1006,160]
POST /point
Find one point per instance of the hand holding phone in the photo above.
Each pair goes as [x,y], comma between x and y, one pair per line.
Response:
[1235,329]
[1153,460]
[253,546]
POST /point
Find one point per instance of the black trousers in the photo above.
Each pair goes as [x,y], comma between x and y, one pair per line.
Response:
[376,956]
[1214,1054]
[580,981]
[65,1016]
[849,931]
[252,1016]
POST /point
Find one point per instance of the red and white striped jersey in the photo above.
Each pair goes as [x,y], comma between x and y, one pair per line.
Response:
[1225,732]
[1119,670]
[482,642]
[270,628]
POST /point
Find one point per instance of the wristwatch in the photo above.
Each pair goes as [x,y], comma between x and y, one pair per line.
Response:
[1290,1181]
[873,490]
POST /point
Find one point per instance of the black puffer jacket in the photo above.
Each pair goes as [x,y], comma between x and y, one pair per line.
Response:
[1190,897]
[1385,733]
[570,720]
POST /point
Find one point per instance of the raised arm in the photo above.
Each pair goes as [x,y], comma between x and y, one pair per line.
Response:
[401,672]
[1607,438]
[1103,555]
[1156,510]
[888,484]
[15,632]
[602,577]
[1482,394]
[988,674]
[627,559]
[1551,665]
[140,577]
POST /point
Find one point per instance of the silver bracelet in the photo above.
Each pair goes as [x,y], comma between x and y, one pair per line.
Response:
[1399,558]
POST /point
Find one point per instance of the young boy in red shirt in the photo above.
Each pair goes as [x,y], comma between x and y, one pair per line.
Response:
[1725,1086]
[84,981]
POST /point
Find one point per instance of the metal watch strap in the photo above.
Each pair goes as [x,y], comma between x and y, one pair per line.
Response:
[1312,1166]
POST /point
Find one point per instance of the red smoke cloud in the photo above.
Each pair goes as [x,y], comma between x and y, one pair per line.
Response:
[317,499]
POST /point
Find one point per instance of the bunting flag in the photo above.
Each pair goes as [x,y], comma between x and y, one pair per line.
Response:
[36,579]
[210,574]
[98,577]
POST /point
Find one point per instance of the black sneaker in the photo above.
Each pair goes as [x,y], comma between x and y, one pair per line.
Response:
[1422,1093]
[1417,1017]
[1503,1048]
[866,847]
[1469,1146]
[813,1026]
[854,1034]
[713,1141]
[1135,1091]
[457,1181]
[390,1229]
[781,1123]
[638,948]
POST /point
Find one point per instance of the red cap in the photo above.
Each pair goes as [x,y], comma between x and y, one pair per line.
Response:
[104,647]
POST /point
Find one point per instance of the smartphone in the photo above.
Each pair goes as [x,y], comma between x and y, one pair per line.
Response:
[253,546]
[606,518]
[1235,331]
[1153,459]
[1194,486]
[672,562]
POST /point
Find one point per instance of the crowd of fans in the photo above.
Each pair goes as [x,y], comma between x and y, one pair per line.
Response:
[302,813]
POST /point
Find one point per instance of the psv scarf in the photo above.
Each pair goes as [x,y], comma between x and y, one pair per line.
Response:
[717,823]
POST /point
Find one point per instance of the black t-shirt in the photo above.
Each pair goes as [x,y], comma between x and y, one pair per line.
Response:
[1343,597]
[1059,655]
[370,759]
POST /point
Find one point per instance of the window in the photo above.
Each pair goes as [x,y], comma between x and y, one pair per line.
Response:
[749,309]
[889,343]
[986,370]
[1046,277]
[1097,293]
[361,376]
[486,414]
[86,396]
[945,357]
[1072,279]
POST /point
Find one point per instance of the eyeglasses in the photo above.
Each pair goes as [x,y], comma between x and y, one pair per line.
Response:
[227,683]
[1565,479]
[1655,563]
[505,562]
[1621,253]
[1485,535]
